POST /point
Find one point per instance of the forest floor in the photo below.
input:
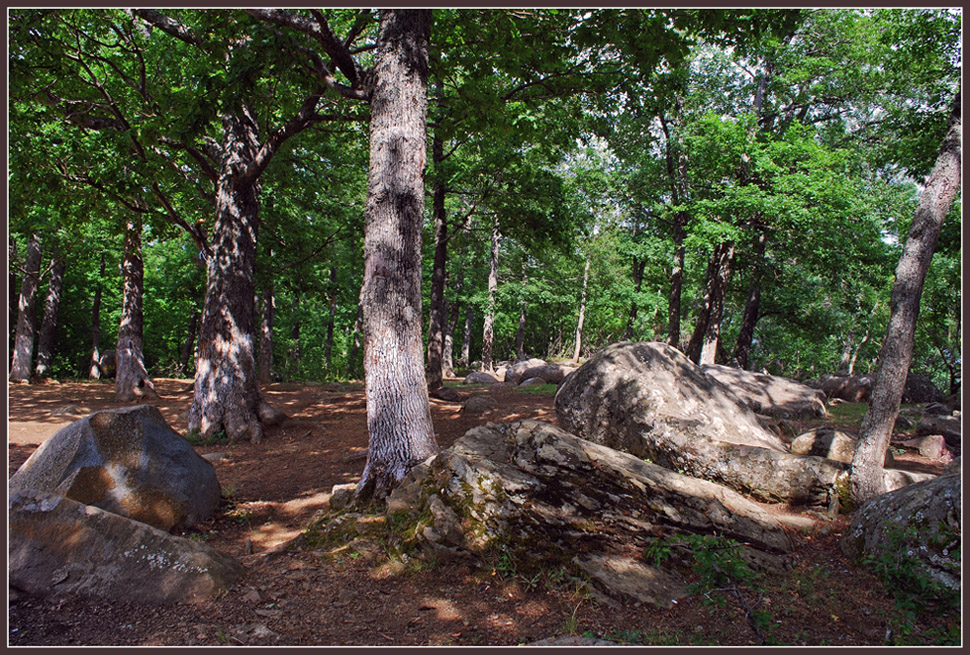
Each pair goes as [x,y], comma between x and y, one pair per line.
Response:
[375,598]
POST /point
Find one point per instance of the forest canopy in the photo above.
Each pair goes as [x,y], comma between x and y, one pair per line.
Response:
[737,183]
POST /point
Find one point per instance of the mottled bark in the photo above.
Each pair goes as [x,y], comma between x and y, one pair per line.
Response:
[582,313]
[742,348]
[897,348]
[707,331]
[399,424]
[226,397]
[437,309]
[48,325]
[266,335]
[94,366]
[677,167]
[131,378]
[488,330]
[23,350]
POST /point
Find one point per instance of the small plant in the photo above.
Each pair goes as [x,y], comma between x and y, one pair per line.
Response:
[539,389]
[194,438]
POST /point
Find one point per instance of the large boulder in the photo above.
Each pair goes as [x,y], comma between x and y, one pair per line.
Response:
[920,389]
[542,496]
[947,426]
[478,377]
[769,394]
[60,546]
[921,521]
[521,369]
[648,399]
[127,461]
[850,388]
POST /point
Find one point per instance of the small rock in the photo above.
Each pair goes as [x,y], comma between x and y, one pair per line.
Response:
[478,404]
[446,393]
[215,457]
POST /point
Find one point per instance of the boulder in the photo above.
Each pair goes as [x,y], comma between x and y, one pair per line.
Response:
[523,369]
[446,393]
[528,382]
[542,496]
[921,520]
[769,394]
[127,461]
[850,388]
[478,404]
[478,377]
[948,426]
[932,446]
[920,389]
[830,443]
[60,546]
[648,399]
[953,402]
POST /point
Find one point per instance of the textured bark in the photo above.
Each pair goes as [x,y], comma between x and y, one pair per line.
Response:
[707,332]
[94,367]
[14,295]
[488,330]
[582,313]
[676,280]
[520,332]
[266,335]
[48,325]
[437,310]
[23,350]
[897,349]
[466,344]
[677,166]
[226,396]
[131,378]
[399,425]
[742,348]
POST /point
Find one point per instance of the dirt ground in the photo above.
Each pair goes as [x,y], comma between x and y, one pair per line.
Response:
[300,598]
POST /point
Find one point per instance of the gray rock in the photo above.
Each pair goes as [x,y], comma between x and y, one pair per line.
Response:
[478,404]
[544,496]
[953,467]
[517,371]
[529,382]
[923,519]
[60,546]
[830,443]
[127,461]
[478,377]
[850,388]
[920,389]
[537,368]
[948,426]
[931,446]
[446,393]
[769,394]
[648,399]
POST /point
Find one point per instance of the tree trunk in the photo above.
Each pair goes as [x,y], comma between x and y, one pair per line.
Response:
[23,350]
[466,344]
[94,368]
[638,268]
[447,354]
[266,334]
[677,166]
[846,357]
[14,295]
[582,313]
[707,331]
[488,331]
[131,378]
[437,309]
[188,348]
[399,424]
[897,350]
[352,368]
[331,319]
[742,349]
[48,326]
[676,280]
[294,354]
[226,396]
[855,353]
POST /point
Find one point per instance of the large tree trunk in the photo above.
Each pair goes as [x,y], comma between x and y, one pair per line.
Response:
[399,425]
[897,350]
[14,295]
[677,166]
[23,349]
[266,334]
[707,332]
[226,395]
[131,378]
[742,348]
[448,353]
[437,310]
[48,326]
[488,331]
[94,366]
[582,313]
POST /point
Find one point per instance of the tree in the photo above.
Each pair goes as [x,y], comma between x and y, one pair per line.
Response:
[131,378]
[48,325]
[866,479]
[398,412]
[23,351]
